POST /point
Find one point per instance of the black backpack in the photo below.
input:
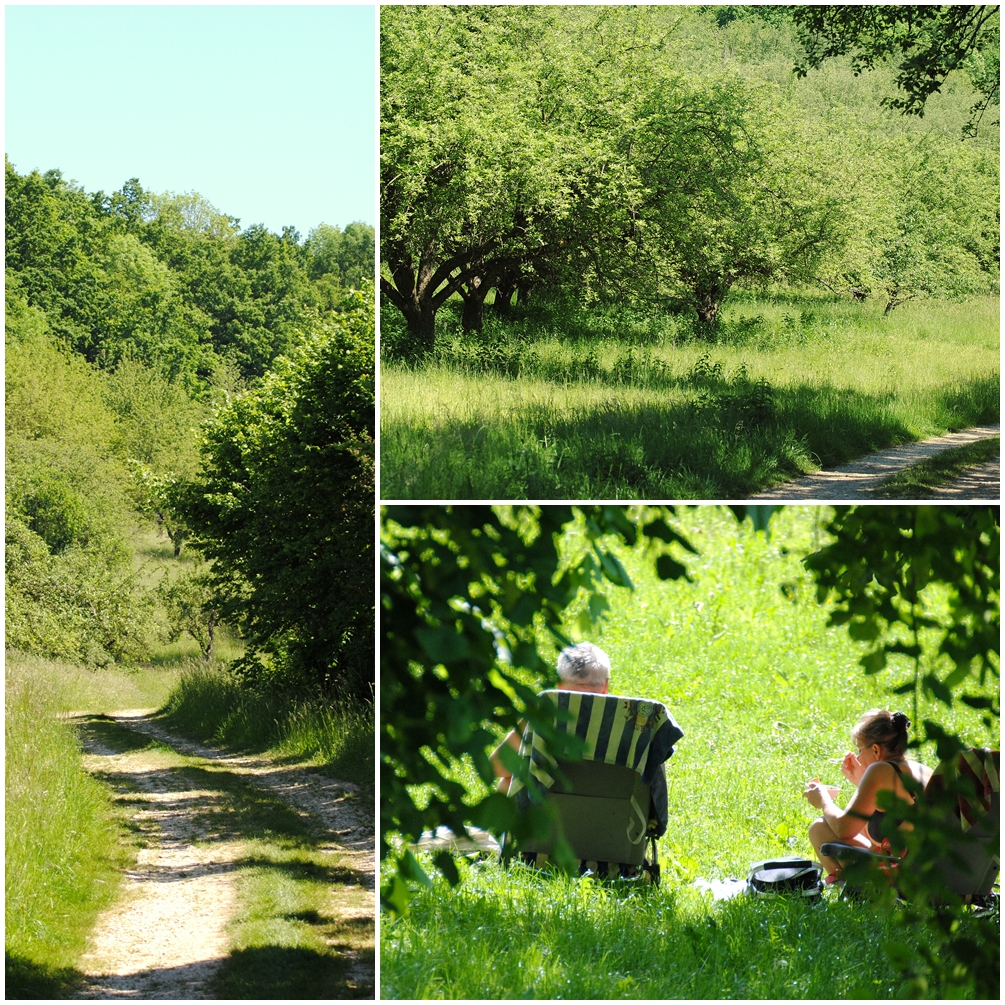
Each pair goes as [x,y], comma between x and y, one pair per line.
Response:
[791,875]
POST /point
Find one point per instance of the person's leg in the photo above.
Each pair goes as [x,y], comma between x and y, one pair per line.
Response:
[821,833]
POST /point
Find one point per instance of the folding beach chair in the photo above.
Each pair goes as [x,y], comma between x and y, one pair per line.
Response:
[610,803]
[970,864]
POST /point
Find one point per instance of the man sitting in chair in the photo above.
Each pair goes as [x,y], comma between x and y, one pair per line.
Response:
[585,667]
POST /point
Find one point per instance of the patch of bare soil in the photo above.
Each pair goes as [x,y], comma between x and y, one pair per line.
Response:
[858,479]
[165,939]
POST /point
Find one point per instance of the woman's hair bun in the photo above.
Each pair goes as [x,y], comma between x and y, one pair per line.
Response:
[900,721]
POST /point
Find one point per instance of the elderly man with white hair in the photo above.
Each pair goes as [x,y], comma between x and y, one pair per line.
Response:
[585,667]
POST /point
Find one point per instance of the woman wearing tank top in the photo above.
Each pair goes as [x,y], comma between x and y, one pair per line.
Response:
[881,739]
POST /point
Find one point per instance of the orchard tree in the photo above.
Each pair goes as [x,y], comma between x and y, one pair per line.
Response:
[930,41]
[480,164]
[284,508]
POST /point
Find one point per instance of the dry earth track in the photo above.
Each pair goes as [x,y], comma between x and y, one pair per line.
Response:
[858,479]
[165,938]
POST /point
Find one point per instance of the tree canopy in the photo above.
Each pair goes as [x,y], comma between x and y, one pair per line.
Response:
[284,507]
[931,40]
[607,152]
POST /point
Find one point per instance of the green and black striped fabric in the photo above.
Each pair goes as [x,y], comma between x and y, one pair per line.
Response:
[632,732]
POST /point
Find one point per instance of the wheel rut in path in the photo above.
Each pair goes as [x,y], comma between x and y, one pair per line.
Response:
[166,936]
[858,479]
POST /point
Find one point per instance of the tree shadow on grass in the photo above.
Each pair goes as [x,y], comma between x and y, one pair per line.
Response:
[274,972]
[25,980]
[727,442]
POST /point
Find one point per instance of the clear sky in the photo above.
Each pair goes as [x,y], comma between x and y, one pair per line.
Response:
[269,112]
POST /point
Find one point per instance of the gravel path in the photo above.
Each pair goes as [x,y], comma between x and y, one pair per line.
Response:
[858,479]
[165,938]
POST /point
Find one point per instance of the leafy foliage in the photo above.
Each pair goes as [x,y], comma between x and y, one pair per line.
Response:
[886,562]
[284,508]
[888,571]
[931,40]
[168,280]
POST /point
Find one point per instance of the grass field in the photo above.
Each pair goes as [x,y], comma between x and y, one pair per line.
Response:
[765,694]
[564,403]
[65,843]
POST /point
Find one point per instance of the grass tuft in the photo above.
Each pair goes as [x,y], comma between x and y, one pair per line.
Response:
[211,706]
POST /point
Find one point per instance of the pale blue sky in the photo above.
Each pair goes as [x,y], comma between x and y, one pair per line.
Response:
[269,112]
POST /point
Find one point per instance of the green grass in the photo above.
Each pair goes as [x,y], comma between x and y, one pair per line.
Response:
[765,694]
[210,706]
[918,480]
[565,403]
[63,837]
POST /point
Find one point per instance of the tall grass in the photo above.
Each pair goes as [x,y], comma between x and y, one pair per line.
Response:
[62,837]
[210,705]
[766,694]
[564,403]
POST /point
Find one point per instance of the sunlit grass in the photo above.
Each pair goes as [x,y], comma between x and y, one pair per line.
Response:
[615,405]
[209,705]
[63,848]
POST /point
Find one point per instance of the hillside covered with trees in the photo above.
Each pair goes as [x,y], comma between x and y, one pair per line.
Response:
[171,374]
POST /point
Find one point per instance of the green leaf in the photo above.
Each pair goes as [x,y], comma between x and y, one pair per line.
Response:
[443,644]
[864,630]
[445,863]
[668,568]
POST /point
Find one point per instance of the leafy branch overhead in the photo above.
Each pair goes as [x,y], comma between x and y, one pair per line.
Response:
[886,569]
[464,594]
[930,41]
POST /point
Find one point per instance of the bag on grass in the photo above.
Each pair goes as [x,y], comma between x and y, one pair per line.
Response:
[791,875]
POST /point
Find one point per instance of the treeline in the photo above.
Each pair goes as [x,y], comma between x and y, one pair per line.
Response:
[151,347]
[661,156]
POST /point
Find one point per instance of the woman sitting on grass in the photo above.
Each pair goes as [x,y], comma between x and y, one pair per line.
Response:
[879,766]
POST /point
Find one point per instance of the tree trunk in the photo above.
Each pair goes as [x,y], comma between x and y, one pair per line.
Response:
[709,294]
[504,297]
[708,309]
[420,319]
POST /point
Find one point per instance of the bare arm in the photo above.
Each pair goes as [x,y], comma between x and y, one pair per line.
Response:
[854,817]
[513,739]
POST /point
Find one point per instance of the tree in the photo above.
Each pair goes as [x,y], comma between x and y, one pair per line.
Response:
[464,593]
[480,161]
[931,40]
[284,508]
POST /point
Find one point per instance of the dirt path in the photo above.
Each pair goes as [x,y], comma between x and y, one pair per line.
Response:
[858,479]
[165,938]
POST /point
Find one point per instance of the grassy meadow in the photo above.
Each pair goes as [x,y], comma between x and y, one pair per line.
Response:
[765,694]
[561,402]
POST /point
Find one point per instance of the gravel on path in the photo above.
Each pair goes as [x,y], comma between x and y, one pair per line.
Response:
[166,936]
[856,480]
